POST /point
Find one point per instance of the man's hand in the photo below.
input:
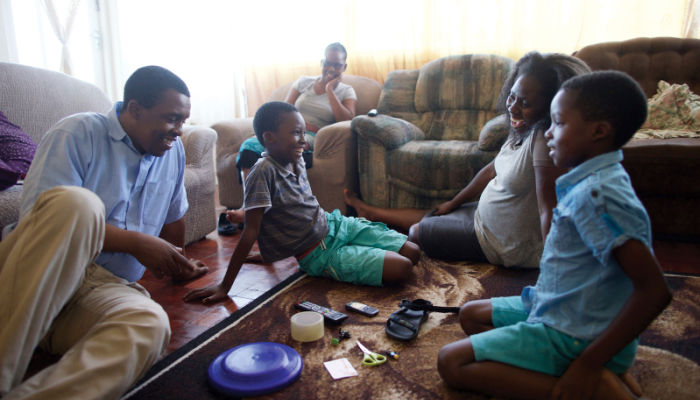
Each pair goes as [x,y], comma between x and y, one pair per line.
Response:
[210,294]
[198,269]
[164,259]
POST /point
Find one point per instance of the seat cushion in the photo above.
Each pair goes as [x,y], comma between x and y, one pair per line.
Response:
[436,164]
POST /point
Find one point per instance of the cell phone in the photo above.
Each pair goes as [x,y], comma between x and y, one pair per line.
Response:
[362,308]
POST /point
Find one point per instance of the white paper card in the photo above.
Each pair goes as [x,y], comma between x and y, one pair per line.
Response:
[340,368]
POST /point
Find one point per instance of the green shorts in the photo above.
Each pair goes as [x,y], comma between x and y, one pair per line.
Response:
[536,347]
[353,250]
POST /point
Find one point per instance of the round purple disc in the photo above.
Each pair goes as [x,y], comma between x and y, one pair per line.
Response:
[255,369]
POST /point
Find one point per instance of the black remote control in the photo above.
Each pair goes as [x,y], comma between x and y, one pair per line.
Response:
[362,308]
[331,316]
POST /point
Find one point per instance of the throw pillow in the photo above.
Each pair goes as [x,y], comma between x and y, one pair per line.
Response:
[16,152]
[673,107]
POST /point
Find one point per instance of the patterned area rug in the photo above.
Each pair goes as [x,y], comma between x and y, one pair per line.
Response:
[666,366]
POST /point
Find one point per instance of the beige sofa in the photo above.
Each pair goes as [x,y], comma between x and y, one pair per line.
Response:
[664,172]
[335,151]
[35,99]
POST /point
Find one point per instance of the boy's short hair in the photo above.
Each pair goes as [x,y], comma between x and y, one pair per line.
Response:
[267,118]
[147,84]
[610,96]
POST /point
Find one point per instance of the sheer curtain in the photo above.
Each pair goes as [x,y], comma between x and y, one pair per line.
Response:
[382,36]
[62,27]
[196,40]
[233,54]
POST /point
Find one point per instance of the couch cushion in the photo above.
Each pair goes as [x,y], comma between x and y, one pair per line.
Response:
[36,99]
[648,60]
[437,164]
[461,82]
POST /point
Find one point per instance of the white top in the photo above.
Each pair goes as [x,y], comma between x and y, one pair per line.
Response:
[507,219]
[316,108]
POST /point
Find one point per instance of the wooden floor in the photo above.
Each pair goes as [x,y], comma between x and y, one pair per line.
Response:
[190,319]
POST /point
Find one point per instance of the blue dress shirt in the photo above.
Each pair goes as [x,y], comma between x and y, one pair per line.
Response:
[581,286]
[141,192]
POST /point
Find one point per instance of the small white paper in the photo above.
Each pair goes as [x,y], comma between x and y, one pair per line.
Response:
[340,368]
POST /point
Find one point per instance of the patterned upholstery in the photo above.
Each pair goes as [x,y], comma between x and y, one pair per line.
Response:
[428,142]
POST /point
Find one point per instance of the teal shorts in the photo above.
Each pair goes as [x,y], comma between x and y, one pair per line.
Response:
[353,250]
[536,347]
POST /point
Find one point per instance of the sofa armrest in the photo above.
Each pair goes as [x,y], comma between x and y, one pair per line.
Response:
[230,136]
[332,140]
[494,133]
[199,145]
[200,183]
[335,165]
[391,132]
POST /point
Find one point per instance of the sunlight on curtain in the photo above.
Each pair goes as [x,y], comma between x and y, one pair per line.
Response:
[198,41]
[382,36]
[37,44]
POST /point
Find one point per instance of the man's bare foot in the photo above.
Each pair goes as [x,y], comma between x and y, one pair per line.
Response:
[613,387]
[355,202]
[236,216]
[631,383]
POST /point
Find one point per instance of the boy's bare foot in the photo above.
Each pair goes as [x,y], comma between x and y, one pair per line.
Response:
[613,387]
[254,257]
[236,216]
[353,201]
[631,383]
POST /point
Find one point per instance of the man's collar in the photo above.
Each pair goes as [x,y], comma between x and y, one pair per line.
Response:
[116,132]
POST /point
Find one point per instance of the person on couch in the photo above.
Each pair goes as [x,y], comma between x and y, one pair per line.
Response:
[515,191]
[322,100]
[103,200]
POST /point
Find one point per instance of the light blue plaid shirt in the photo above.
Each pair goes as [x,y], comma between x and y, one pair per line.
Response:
[581,286]
[140,192]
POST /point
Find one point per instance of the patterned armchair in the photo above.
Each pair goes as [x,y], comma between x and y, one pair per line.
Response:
[427,142]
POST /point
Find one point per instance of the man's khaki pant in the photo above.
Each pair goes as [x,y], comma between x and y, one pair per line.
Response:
[53,295]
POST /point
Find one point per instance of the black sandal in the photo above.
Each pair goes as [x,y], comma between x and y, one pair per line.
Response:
[405,323]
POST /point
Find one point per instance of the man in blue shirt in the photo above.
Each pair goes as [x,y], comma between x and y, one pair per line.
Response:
[574,334]
[103,200]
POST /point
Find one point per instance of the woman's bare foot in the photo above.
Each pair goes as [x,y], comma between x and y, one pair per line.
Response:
[355,202]
[236,216]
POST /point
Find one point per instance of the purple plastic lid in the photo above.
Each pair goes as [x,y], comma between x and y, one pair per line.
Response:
[255,369]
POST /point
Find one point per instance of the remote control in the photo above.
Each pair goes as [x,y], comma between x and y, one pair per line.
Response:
[331,316]
[361,308]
